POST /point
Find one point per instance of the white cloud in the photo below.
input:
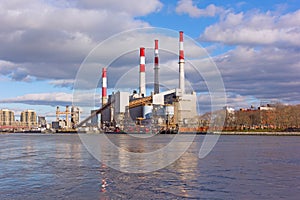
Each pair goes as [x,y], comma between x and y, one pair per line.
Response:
[132,7]
[254,28]
[265,64]
[43,32]
[6,67]
[68,83]
[53,99]
[121,56]
[266,73]
[49,39]
[235,101]
[56,98]
[188,7]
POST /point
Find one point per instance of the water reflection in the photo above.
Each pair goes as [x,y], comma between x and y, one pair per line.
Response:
[137,155]
[59,167]
[45,165]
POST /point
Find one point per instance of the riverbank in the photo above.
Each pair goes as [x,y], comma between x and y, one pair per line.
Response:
[258,133]
[202,133]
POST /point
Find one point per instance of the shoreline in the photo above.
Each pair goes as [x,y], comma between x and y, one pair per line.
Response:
[250,133]
[257,133]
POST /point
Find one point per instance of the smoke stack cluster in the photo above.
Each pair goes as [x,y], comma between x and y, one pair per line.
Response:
[142,72]
[104,87]
[181,63]
[142,75]
[156,67]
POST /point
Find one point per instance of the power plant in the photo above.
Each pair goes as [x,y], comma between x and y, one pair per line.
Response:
[165,112]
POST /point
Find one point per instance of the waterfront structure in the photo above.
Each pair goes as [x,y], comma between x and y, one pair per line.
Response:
[75,115]
[169,110]
[66,112]
[181,63]
[58,125]
[104,87]
[28,118]
[7,117]
[142,88]
[268,107]
[94,119]
[67,123]
[156,68]
[42,121]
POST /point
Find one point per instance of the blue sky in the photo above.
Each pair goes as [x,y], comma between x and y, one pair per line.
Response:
[255,44]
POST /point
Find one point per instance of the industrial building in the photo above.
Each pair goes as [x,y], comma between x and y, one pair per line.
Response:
[66,124]
[172,110]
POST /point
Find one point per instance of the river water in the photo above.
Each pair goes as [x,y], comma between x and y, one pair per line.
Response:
[239,167]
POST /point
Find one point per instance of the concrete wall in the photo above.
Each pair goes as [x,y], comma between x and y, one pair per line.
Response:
[186,108]
[121,101]
[115,112]
[158,99]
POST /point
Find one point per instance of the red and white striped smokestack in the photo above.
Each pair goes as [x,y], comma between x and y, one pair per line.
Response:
[142,72]
[104,87]
[156,68]
[181,63]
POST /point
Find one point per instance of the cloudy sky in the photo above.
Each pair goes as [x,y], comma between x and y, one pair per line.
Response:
[255,45]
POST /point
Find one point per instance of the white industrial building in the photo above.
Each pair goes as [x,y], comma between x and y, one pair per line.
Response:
[173,107]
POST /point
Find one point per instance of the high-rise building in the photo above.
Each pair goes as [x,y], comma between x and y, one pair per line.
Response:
[28,118]
[7,117]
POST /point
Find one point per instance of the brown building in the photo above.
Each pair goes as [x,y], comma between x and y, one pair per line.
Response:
[7,117]
[28,118]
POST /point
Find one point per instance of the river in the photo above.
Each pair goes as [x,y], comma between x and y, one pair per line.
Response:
[41,166]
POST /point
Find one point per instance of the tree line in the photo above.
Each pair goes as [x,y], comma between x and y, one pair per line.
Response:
[275,117]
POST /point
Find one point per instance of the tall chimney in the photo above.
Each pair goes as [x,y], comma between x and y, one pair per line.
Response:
[181,63]
[104,87]
[142,72]
[156,67]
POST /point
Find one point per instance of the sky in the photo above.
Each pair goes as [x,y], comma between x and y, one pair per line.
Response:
[255,45]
